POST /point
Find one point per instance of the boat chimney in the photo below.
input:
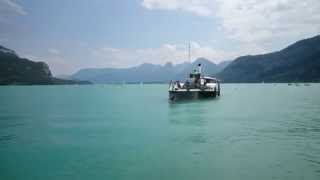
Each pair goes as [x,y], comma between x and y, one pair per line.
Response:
[199,68]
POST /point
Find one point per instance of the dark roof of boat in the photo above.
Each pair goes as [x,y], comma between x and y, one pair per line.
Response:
[208,77]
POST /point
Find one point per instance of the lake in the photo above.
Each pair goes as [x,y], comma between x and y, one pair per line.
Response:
[252,131]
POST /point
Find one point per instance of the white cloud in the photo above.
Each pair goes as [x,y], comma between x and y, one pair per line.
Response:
[8,9]
[269,20]
[175,53]
[254,21]
[199,7]
[10,5]
[54,51]
[3,40]
[58,64]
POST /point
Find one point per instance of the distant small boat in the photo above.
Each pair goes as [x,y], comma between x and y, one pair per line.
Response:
[306,84]
[196,87]
[289,84]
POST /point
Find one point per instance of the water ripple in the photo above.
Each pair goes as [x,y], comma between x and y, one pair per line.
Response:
[7,138]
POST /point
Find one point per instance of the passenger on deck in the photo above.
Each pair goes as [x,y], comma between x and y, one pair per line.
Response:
[178,84]
[186,85]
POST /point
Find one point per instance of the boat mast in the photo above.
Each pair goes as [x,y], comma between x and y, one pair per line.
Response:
[189,52]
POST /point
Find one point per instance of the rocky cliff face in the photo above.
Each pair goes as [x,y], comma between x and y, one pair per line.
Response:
[16,70]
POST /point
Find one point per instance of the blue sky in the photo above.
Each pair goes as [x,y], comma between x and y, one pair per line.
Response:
[70,35]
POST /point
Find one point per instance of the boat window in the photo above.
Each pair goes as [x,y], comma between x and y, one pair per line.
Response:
[197,76]
[210,81]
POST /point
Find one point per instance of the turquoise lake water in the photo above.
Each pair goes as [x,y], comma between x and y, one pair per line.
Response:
[253,131]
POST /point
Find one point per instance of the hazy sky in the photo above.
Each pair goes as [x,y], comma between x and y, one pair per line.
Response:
[74,34]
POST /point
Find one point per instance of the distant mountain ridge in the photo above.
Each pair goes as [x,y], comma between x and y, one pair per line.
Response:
[22,71]
[299,62]
[146,72]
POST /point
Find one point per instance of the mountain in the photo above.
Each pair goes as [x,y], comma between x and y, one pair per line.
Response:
[16,70]
[146,72]
[223,65]
[298,62]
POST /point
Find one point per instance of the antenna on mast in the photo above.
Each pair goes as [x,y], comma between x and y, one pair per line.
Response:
[189,52]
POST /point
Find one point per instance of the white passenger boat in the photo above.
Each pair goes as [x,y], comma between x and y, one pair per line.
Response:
[197,86]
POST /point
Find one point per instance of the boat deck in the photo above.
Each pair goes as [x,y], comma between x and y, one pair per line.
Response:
[192,90]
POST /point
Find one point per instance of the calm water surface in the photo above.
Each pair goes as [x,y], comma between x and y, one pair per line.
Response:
[253,131]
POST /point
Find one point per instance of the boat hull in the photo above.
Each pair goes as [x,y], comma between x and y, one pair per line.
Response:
[189,95]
